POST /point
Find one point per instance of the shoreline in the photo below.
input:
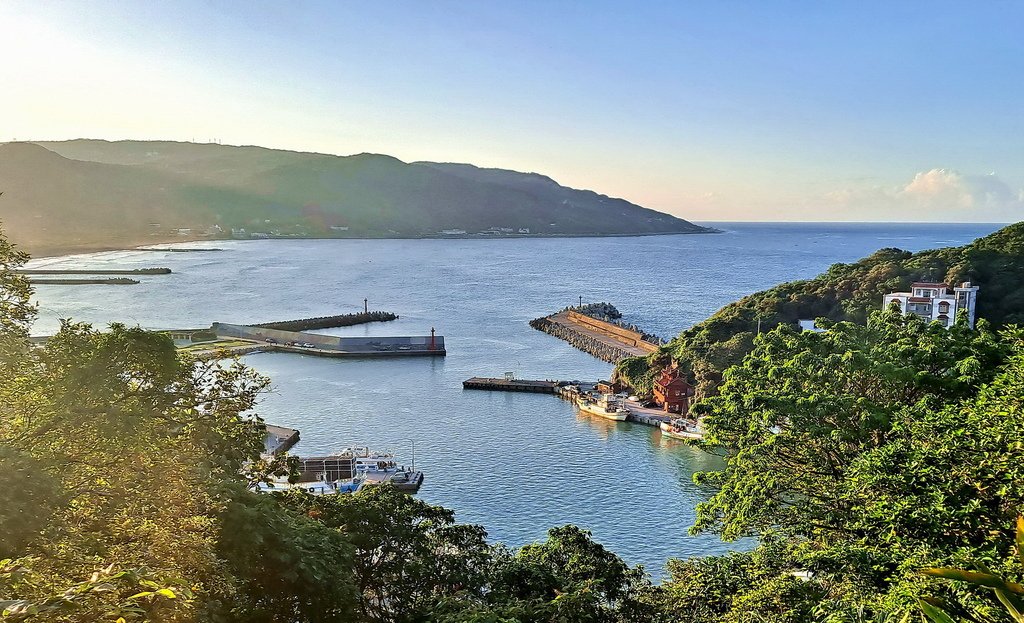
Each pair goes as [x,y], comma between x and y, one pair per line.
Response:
[61,251]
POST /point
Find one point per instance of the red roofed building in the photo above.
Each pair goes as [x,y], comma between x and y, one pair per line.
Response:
[672,392]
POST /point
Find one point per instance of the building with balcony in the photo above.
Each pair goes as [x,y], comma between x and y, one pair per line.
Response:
[936,302]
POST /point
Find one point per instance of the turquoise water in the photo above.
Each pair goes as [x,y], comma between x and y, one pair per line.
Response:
[515,463]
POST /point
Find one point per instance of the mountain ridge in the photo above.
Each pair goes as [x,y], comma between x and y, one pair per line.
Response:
[92,193]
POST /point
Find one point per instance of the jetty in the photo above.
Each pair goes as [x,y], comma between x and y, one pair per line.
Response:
[98,271]
[179,250]
[114,281]
[329,322]
[594,329]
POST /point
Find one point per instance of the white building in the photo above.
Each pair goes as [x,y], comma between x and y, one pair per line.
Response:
[810,325]
[936,301]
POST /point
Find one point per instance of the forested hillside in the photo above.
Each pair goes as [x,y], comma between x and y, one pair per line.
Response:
[844,292]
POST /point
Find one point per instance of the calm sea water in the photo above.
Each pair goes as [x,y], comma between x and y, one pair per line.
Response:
[515,463]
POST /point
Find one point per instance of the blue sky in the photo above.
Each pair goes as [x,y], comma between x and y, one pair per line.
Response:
[712,110]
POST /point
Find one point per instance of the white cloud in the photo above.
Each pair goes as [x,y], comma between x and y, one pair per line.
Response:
[938,188]
[937,194]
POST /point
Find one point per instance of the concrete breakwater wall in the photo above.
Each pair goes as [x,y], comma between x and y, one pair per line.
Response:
[329,322]
[331,345]
[588,344]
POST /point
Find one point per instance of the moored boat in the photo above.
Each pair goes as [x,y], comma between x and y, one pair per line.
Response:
[681,428]
[348,471]
[606,406]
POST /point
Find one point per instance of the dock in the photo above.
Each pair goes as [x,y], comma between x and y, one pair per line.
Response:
[279,439]
[568,390]
[510,385]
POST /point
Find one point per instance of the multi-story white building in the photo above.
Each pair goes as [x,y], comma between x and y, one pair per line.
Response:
[936,301]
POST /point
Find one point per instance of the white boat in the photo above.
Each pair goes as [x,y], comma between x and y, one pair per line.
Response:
[606,406]
[681,428]
[316,487]
[348,471]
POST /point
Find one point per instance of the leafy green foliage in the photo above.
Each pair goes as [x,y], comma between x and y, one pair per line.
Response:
[846,292]
[1010,594]
[869,452]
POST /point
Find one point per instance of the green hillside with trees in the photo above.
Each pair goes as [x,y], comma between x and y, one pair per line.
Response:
[844,292]
[861,459]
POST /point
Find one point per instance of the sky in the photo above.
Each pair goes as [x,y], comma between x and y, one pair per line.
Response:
[712,111]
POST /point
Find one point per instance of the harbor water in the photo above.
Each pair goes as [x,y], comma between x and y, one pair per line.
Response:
[517,463]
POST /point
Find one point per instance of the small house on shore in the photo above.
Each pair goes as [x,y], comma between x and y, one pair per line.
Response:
[672,393]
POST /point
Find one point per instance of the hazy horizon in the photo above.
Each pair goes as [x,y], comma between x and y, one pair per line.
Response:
[867,113]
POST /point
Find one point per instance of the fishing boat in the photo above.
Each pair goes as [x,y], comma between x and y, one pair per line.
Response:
[377,468]
[682,428]
[348,471]
[606,405]
[316,487]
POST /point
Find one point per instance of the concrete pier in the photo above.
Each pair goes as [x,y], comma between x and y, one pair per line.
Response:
[568,390]
[510,385]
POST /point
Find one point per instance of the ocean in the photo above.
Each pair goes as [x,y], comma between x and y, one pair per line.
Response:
[515,463]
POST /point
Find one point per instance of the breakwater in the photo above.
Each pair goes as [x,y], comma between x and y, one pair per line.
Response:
[328,322]
[116,281]
[588,344]
[98,271]
[177,250]
[598,336]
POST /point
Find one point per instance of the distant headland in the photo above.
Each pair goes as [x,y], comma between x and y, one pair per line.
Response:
[81,195]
